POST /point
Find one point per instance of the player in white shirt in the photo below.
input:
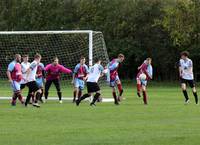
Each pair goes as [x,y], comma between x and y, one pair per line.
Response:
[187,76]
[95,72]
[25,65]
[31,81]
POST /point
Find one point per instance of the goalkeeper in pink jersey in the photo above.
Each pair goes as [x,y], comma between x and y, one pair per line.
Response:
[53,71]
[145,73]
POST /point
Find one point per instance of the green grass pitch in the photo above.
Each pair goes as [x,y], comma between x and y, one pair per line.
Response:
[165,121]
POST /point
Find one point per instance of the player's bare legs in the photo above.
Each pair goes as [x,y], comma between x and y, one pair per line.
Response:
[115,96]
[30,94]
[77,93]
[120,89]
[144,93]
[76,90]
[96,97]
[195,94]
[37,95]
[41,95]
[184,89]
[138,87]
[87,95]
[16,95]
[20,97]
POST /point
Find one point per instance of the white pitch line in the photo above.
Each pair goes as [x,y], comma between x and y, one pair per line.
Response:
[64,98]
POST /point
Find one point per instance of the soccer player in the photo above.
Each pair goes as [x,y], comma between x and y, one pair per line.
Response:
[96,71]
[24,65]
[147,70]
[31,81]
[14,74]
[114,78]
[187,76]
[79,77]
[40,76]
[53,71]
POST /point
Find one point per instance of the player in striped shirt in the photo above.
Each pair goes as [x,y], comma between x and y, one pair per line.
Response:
[53,71]
[14,74]
[79,77]
[96,71]
[187,76]
[113,77]
[145,68]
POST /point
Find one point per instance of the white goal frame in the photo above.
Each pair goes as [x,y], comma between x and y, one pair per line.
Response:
[90,44]
[89,32]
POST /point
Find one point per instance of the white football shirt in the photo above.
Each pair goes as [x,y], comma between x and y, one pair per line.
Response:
[95,73]
[186,68]
[25,67]
[33,70]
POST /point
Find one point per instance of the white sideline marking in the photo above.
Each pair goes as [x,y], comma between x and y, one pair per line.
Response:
[64,98]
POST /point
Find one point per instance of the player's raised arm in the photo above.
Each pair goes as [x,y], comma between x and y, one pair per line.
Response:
[65,70]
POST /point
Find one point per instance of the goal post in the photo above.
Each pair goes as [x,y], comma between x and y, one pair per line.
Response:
[68,46]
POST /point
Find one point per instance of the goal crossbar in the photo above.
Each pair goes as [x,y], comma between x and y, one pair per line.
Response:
[89,32]
[49,32]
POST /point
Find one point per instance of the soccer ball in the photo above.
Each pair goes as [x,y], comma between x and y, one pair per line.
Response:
[142,76]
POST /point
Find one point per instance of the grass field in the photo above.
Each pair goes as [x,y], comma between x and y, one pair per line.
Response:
[165,121]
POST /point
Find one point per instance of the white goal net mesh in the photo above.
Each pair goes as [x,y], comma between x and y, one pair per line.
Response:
[68,47]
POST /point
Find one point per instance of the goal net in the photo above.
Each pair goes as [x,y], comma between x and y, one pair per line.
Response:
[68,46]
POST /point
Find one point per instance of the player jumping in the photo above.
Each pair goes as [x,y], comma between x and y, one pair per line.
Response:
[79,77]
[96,71]
[147,70]
[53,71]
[14,74]
[187,76]
[114,78]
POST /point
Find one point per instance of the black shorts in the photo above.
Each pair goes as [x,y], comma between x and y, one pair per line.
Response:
[32,86]
[190,82]
[22,86]
[92,87]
